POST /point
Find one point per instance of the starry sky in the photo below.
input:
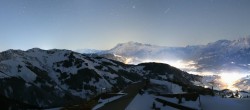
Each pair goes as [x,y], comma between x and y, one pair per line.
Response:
[101,24]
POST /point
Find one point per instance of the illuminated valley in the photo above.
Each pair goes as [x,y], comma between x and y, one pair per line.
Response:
[225,79]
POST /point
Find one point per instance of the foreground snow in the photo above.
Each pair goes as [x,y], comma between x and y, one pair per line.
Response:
[218,103]
[145,102]
[103,102]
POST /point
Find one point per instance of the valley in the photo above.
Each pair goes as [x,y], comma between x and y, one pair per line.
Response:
[224,63]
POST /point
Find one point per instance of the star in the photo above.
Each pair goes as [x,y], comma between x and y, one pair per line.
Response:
[133,6]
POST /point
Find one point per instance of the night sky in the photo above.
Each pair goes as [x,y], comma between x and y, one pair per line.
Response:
[101,24]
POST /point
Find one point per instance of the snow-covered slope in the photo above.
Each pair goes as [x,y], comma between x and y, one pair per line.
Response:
[147,100]
[51,78]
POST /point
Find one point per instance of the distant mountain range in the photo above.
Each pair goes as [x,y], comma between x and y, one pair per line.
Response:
[55,78]
[222,55]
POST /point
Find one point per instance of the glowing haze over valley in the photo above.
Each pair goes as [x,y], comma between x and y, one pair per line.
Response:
[226,80]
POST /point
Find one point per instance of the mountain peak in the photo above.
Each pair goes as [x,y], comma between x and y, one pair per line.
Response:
[243,42]
[8,54]
[244,39]
[221,43]
[129,43]
[35,49]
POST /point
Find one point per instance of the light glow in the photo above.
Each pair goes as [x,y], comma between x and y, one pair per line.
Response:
[126,60]
[184,65]
[225,79]
[230,79]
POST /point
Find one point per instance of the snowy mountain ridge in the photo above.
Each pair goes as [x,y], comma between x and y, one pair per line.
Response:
[49,78]
[221,54]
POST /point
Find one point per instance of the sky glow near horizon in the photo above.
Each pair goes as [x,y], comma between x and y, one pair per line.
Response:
[101,24]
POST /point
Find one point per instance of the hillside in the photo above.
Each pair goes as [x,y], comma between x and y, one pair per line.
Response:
[54,78]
